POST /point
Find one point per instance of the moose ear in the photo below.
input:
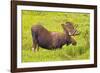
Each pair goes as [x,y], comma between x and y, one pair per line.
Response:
[65,28]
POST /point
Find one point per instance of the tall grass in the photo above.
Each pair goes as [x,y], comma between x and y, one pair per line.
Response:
[52,21]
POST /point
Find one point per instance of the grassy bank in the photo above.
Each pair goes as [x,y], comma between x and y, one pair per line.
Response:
[52,21]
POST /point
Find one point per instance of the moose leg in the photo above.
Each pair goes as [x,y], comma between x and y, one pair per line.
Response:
[34,46]
[37,47]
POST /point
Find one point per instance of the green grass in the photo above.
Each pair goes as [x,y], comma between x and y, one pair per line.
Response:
[52,21]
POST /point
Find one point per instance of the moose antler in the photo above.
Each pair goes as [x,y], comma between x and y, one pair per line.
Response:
[76,25]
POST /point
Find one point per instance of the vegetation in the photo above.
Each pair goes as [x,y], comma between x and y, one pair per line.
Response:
[52,21]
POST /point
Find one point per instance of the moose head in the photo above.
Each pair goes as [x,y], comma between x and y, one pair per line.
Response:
[70,29]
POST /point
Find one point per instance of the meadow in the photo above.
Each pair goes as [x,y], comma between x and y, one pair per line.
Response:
[52,21]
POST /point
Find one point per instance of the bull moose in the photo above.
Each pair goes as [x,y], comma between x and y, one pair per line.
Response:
[53,40]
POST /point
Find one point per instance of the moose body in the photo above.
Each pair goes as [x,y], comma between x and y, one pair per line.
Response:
[50,40]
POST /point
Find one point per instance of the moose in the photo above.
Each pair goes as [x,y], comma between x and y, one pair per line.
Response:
[53,40]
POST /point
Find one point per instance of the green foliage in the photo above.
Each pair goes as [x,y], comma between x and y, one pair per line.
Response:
[52,21]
